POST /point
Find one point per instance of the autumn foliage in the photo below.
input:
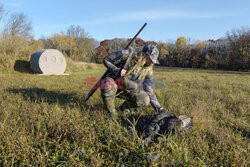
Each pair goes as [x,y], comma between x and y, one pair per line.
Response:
[17,43]
[101,52]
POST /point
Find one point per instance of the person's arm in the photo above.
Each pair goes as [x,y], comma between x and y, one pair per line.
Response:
[113,61]
[148,86]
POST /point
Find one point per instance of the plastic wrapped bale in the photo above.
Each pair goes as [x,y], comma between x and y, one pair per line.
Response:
[48,61]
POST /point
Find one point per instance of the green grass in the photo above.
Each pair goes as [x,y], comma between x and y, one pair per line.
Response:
[44,121]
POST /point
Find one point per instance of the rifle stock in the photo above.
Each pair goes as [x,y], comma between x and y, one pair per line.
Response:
[98,84]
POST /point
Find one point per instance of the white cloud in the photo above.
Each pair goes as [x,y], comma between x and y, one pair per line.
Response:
[155,15]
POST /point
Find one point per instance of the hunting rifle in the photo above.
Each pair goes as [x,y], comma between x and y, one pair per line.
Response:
[97,85]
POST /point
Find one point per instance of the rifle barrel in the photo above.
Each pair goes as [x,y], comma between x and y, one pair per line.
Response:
[97,85]
[135,36]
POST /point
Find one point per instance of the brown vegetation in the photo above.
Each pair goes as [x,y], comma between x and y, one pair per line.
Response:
[45,122]
[18,43]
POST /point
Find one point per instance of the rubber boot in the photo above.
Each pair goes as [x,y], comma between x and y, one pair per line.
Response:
[109,103]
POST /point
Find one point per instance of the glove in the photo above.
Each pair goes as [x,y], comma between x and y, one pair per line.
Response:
[129,84]
[160,109]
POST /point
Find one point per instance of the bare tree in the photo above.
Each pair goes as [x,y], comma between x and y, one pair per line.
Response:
[84,44]
[18,25]
[239,53]
[77,32]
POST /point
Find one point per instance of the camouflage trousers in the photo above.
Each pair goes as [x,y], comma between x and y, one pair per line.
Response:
[133,98]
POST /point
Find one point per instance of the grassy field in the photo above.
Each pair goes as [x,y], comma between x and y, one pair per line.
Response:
[44,121]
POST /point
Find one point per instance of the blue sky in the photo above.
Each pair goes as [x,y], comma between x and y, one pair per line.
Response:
[108,19]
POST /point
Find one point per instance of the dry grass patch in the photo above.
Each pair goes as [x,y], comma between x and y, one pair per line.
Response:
[44,121]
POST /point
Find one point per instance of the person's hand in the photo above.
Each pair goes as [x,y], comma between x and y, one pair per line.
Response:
[123,72]
[159,109]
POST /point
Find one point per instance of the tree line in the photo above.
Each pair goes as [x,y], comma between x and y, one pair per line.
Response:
[16,40]
[75,43]
[18,43]
[231,52]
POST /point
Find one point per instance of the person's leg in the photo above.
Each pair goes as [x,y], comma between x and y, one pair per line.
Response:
[108,93]
[141,98]
[135,99]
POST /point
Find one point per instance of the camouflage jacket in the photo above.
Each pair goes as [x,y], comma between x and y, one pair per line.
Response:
[116,61]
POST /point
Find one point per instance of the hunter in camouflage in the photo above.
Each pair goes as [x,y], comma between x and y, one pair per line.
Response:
[133,82]
[130,77]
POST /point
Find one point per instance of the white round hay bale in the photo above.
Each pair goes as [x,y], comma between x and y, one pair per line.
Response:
[48,61]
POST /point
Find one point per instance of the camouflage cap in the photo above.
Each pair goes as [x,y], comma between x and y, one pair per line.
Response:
[152,52]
